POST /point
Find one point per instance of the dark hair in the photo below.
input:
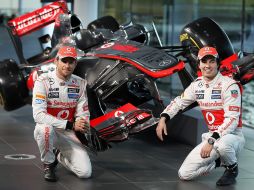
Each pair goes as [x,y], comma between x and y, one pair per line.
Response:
[217,61]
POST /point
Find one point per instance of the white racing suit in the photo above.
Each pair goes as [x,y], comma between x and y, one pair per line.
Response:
[220,103]
[54,102]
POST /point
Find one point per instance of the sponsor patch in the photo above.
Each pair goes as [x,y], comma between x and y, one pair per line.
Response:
[53,95]
[216,96]
[73,85]
[199,96]
[219,86]
[40,96]
[200,84]
[51,81]
[234,93]
[62,83]
[53,89]
[200,91]
[234,108]
[73,90]
[216,91]
[39,101]
[73,96]
[210,104]
[74,81]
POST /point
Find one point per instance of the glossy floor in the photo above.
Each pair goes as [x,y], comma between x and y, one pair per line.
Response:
[141,163]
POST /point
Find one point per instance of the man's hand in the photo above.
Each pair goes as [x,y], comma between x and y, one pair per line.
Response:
[206,150]
[81,125]
[161,128]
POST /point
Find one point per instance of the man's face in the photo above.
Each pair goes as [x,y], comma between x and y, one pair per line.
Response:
[65,66]
[209,67]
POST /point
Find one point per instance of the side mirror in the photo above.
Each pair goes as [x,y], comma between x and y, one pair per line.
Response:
[44,39]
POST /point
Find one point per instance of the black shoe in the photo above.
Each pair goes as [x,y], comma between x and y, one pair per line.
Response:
[49,172]
[49,169]
[229,176]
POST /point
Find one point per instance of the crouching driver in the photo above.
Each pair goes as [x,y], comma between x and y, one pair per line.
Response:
[219,98]
[60,108]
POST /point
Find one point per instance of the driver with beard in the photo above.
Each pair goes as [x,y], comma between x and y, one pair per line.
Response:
[219,98]
[60,108]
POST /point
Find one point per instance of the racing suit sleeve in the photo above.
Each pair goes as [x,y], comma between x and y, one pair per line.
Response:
[232,110]
[180,102]
[82,110]
[39,104]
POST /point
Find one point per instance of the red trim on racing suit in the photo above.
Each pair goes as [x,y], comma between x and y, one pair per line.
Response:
[55,101]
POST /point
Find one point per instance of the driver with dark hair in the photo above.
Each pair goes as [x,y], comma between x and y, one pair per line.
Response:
[60,108]
[219,98]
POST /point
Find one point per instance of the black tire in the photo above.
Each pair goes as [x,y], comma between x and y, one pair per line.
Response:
[13,90]
[205,32]
[106,22]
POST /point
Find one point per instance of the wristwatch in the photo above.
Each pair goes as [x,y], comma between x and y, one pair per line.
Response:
[211,141]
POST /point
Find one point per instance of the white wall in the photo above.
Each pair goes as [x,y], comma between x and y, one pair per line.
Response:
[11,6]
[87,10]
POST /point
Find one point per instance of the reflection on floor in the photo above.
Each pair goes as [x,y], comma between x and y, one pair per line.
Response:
[141,163]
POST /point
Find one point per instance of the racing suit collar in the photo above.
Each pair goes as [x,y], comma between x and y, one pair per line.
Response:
[59,79]
[212,82]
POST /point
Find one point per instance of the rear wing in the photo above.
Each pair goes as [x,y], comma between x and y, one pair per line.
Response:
[37,19]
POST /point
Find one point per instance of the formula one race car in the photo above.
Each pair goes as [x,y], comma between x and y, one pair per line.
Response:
[119,64]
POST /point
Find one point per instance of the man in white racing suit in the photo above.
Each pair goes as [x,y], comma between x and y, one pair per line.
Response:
[219,98]
[60,108]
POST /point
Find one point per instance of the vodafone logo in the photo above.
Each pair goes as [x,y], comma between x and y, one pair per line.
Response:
[118,113]
[209,118]
[107,45]
[64,114]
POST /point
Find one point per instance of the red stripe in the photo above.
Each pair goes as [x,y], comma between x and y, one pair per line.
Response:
[66,113]
[46,138]
[126,108]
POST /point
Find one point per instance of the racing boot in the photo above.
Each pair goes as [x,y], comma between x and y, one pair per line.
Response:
[49,169]
[49,172]
[229,176]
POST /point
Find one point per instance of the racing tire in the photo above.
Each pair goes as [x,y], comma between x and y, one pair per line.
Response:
[204,32]
[13,90]
[106,22]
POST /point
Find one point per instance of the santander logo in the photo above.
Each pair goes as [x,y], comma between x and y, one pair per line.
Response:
[43,14]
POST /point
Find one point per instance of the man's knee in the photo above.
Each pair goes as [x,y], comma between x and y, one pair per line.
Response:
[184,175]
[225,149]
[84,173]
